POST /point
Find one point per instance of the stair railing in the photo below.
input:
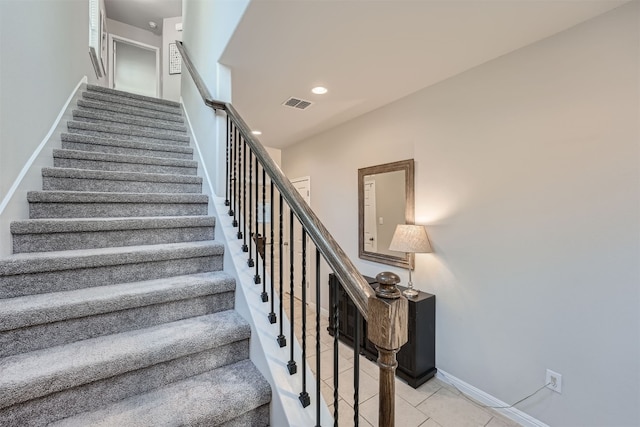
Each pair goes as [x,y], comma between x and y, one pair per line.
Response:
[249,170]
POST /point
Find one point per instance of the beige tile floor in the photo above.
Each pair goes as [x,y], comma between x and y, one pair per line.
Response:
[433,404]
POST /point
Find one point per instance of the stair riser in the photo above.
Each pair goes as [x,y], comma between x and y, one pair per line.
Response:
[66,280]
[141,123]
[140,113]
[137,130]
[105,185]
[112,210]
[124,136]
[122,167]
[47,242]
[129,95]
[44,410]
[129,102]
[52,334]
[113,149]
[258,417]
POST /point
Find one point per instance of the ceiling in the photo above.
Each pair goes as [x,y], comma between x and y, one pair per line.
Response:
[139,12]
[369,53]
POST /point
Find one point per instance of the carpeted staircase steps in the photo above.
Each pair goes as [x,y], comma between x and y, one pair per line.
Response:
[100,144]
[43,235]
[77,159]
[115,309]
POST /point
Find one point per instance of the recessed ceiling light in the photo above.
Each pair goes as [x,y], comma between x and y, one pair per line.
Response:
[319,90]
[153,25]
[256,132]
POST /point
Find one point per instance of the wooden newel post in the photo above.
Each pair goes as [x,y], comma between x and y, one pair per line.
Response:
[387,329]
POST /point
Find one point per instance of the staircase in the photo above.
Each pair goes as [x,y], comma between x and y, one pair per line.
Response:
[114,309]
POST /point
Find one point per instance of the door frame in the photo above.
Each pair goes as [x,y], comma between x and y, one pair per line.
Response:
[112,39]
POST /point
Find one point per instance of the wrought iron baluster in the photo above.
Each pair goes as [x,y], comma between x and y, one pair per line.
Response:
[227,181]
[318,376]
[256,235]
[250,260]
[282,341]
[264,296]
[239,189]
[304,396]
[245,247]
[272,314]
[231,168]
[234,194]
[292,363]
[336,332]
[356,369]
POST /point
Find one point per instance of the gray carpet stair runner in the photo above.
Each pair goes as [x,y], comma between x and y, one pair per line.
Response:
[114,308]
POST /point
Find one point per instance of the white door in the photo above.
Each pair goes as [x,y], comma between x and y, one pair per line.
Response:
[370,228]
[303,185]
[135,67]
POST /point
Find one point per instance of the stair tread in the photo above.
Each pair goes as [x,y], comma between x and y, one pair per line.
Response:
[61,225]
[122,158]
[119,175]
[124,94]
[124,130]
[37,262]
[106,197]
[128,119]
[82,138]
[20,312]
[107,98]
[90,104]
[30,375]
[211,398]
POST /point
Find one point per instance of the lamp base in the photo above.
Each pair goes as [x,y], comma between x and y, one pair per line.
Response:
[410,293]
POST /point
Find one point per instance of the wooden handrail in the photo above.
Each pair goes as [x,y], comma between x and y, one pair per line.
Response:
[353,282]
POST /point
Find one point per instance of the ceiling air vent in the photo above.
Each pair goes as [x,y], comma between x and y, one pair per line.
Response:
[300,104]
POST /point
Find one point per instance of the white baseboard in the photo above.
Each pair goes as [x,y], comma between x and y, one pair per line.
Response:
[486,399]
[202,164]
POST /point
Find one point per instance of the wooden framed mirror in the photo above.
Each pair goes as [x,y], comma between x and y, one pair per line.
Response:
[385,199]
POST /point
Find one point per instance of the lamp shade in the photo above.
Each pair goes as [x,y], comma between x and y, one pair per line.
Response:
[410,238]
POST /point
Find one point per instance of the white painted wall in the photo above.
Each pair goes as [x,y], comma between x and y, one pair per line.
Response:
[207,27]
[527,178]
[170,82]
[45,54]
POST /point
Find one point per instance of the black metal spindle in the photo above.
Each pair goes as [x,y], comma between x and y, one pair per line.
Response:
[239,189]
[282,341]
[336,332]
[231,168]
[264,295]
[234,196]
[227,181]
[292,363]
[256,277]
[304,396]
[245,247]
[318,338]
[356,369]
[272,314]
[250,260]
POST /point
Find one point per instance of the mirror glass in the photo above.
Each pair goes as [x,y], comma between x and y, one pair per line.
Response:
[385,199]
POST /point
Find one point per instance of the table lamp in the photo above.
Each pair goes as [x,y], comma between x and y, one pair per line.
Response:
[410,239]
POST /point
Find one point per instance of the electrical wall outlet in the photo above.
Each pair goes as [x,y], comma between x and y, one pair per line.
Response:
[554,381]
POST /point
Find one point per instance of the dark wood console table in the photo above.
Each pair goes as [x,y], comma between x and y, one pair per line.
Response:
[417,358]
